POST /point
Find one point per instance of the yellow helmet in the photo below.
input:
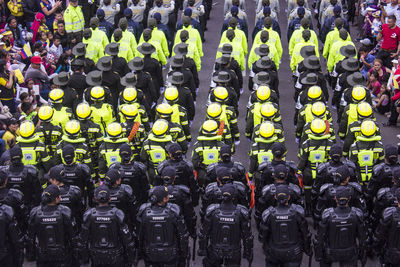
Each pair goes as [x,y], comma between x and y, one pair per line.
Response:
[314,92]
[214,110]
[56,95]
[129,94]
[164,110]
[267,129]
[368,128]
[129,111]
[318,126]
[45,113]
[83,111]
[268,110]
[114,129]
[171,93]
[97,93]
[72,127]
[358,93]
[318,108]
[220,93]
[263,93]
[364,109]
[27,129]
[210,127]
[160,127]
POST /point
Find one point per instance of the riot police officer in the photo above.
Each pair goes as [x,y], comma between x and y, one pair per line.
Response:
[341,234]
[76,174]
[238,171]
[213,194]
[284,231]
[133,173]
[71,195]
[121,196]
[225,226]
[51,224]
[179,195]
[162,233]
[104,233]
[184,171]
[23,177]
[11,242]
[327,195]
[62,114]
[387,234]
[267,196]
[382,174]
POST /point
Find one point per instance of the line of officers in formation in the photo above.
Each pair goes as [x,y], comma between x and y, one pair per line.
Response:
[101,174]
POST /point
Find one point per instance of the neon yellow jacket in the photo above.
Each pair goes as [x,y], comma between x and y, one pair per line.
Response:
[129,39]
[94,50]
[296,57]
[274,40]
[73,18]
[159,37]
[100,37]
[193,53]
[125,51]
[194,37]
[331,38]
[240,37]
[297,38]
[237,53]
[335,56]
[273,54]
[158,54]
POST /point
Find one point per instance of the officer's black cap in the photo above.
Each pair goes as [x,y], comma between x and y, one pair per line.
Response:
[168,172]
[68,151]
[52,192]
[343,172]
[175,149]
[56,173]
[280,171]
[102,194]
[282,192]
[267,11]
[16,152]
[278,150]
[336,150]
[390,151]
[343,193]
[112,176]
[125,149]
[223,173]
[228,190]
[225,151]
[301,11]
[160,192]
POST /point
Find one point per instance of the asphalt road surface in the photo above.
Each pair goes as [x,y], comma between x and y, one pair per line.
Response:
[287,105]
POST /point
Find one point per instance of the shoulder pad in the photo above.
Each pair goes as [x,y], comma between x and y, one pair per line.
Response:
[327,213]
[267,213]
[295,188]
[16,193]
[84,168]
[211,167]
[211,208]
[292,165]
[211,187]
[119,214]
[325,187]
[65,210]
[243,210]
[175,208]
[75,188]
[127,188]
[321,167]
[382,192]
[388,212]
[356,186]
[378,168]
[239,186]
[143,207]
[239,166]
[350,164]
[358,212]
[188,163]
[161,166]
[7,210]
[183,188]
[31,170]
[115,165]
[299,209]
[141,166]
[263,166]
[268,188]
[87,214]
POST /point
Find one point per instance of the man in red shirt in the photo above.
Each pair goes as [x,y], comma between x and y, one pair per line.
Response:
[390,48]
